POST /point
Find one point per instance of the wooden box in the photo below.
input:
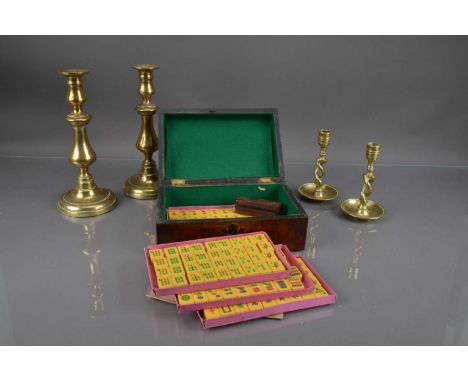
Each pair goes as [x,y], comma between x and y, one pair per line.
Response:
[210,157]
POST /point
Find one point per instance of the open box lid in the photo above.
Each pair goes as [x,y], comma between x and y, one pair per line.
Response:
[205,146]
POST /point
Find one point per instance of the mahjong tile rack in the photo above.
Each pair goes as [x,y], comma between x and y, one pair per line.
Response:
[231,314]
[218,262]
[297,284]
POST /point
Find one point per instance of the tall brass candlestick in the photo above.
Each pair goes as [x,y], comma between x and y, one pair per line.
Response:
[145,184]
[86,199]
[317,190]
[363,208]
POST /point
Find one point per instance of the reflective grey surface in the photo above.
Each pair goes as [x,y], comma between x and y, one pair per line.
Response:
[402,280]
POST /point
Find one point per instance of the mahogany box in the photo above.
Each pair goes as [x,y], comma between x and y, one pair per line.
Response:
[211,157]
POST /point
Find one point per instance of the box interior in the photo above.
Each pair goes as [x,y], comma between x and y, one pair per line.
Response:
[225,194]
[215,146]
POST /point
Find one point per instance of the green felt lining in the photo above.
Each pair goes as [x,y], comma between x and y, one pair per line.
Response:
[224,195]
[215,145]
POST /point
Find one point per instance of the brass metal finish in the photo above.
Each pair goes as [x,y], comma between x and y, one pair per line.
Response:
[317,190]
[145,184]
[86,199]
[363,208]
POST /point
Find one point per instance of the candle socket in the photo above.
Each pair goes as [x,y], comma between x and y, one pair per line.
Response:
[363,208]
[317,190]
[86,199]
[145,185]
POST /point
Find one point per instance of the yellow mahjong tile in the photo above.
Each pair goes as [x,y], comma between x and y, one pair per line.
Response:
[214,254]
[229,292]
[200,296]
[164,282]
[265,247]
[197,247]
[242,290]
[295,273]
[260,237]
[235,241]
[227,310]
[179,280]
[282,300]
[256,258]
[205,266]
[296,284]
[223,244]
[231,262]
[249,270]
[195,278]
[320,291]
[218,263]
[201,257]
[263,268]
[171,251]
[215,295]
[185,298]
[208,276]
[188,258]
[282,285]
[256,305]
[256,289]
[252,250]
[155,253]
[211,313]
[269,287]
[248,239]
[236,272]
[269,256]
[241,308]
[276,265]
[185,249]
[178,270]
[162,272]
[174,260]
[223,273]
[160,262]
[268,303]
[191,267]
[211,245]
[227,253]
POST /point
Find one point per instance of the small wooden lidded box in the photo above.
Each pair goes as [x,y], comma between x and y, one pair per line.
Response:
[211,157]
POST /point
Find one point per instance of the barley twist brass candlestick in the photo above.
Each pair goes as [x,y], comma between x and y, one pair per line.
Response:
[86,199]
[363,208]
[145,185]
[317,190]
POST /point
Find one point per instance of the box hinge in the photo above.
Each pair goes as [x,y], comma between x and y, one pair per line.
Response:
[177,182]
[265,180]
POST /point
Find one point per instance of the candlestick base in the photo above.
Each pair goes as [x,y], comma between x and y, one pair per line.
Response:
[79,204]
[138,187]
[322,193]
[370,211]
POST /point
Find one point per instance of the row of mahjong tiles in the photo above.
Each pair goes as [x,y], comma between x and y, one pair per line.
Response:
[203,213]
[254,289]
[214,260]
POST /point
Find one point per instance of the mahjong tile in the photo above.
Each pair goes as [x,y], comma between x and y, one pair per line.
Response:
[241,308]
[214,295]
[186,298]
[227,310]
[256,305]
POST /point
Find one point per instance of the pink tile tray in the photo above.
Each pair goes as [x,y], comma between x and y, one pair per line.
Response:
[283,308]
[214,284]
[309,288]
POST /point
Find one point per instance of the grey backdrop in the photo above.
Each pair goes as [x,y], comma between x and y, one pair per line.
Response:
[408,93]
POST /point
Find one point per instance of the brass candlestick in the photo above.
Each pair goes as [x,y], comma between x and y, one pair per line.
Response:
[363,208]
[145,185]
[86,199]
[317,190]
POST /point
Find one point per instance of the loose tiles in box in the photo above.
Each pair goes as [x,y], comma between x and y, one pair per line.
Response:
[203,212]
[214,263]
